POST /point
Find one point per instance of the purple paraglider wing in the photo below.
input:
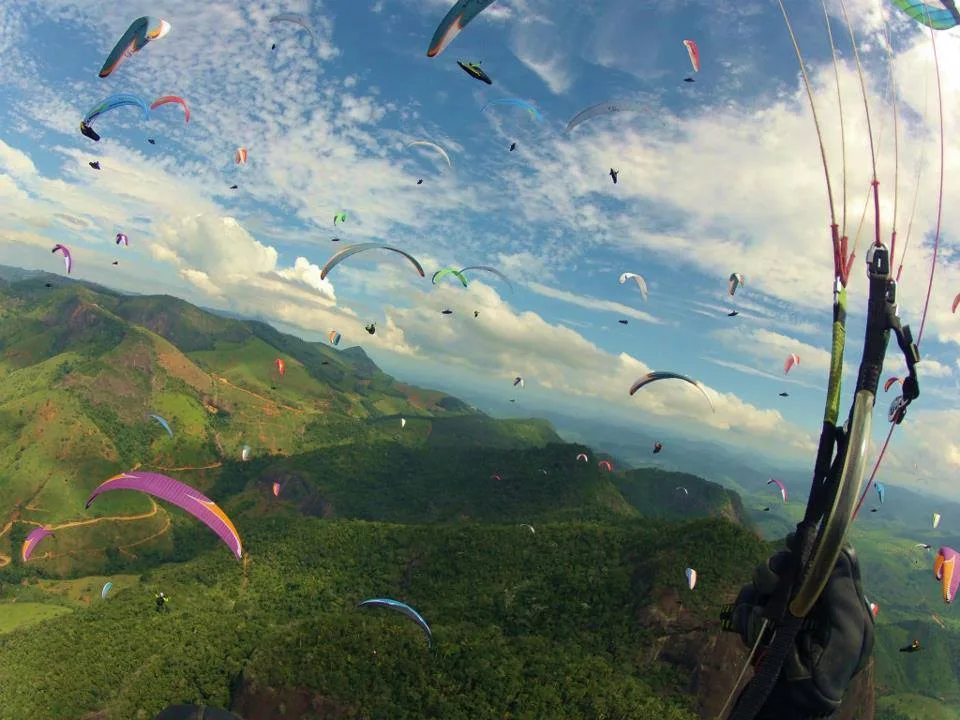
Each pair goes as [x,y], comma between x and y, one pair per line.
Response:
[67,257]
[35,536]
[181,495]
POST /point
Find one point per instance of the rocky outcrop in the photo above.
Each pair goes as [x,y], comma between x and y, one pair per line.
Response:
[712,659]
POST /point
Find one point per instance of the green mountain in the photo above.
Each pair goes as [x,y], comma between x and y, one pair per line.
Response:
[554,588]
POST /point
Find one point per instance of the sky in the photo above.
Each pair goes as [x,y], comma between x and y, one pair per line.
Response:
[716,176]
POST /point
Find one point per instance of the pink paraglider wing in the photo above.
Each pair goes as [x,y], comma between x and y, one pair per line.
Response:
[181,495]
[35,536]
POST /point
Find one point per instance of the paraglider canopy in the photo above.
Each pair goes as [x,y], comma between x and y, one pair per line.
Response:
[164,423]
[783,488]
[456,19]
[141,31]
[665,375]
[402,608]
[694,52]
[734,282]
[431,144]
[166,100]
[35,536]
[67,257]
[641,283]
[181,495]
[516,102]
[947,571]
[296,19]
[936,14]
[487,268]
[362,247]
[792,359]
[448,271]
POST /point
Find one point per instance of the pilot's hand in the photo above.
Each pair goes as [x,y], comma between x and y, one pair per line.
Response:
[831,649]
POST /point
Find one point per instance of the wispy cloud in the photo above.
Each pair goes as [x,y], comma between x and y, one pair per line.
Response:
[592,303]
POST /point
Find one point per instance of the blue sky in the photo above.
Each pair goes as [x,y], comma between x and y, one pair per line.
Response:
[717,176]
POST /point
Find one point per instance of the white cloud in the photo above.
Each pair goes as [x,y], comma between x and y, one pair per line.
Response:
[15,161]
[505,343]
[771,349]
[220,257]
[592,303]
[538,44]
[725,184]
[925,452]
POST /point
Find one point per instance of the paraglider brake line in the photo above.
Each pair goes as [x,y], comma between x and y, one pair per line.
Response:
[840,467]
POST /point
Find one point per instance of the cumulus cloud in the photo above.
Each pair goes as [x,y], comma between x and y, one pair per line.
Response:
[725,179]
[220,257]
[506,343]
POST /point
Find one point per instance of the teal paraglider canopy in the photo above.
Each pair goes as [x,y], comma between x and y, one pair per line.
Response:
[402,608]
[936,14]
[110,102]
[456,19]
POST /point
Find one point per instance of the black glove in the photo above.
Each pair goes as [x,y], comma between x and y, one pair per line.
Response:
[832,647]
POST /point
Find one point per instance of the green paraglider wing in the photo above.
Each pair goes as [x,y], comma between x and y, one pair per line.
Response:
[442,273]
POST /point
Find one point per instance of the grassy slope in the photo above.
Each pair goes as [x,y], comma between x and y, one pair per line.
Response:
[80,369]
